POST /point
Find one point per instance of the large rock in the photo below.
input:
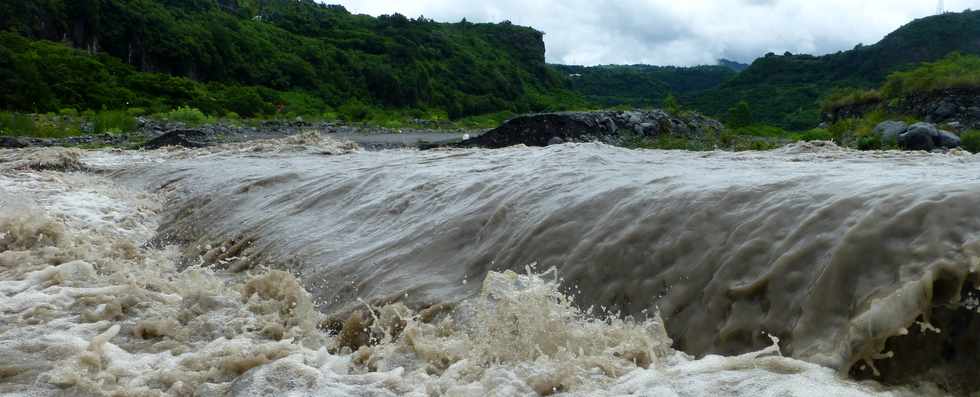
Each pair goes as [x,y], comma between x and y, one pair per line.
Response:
[12,143]
[186,138]
[612,127]
[888,131]
[919,136]
[949,140]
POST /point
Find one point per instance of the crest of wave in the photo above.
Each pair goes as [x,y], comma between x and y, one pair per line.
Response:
[87,311]
[55,159]
[311,141]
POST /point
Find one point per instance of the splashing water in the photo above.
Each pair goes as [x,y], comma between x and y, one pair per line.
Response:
[93,303]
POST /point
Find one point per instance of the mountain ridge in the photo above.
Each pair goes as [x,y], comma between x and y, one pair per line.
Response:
[785,89]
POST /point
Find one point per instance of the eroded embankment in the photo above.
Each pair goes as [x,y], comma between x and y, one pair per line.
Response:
[832,251]
[88,308]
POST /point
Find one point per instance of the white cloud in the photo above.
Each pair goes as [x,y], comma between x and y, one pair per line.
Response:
[679,32]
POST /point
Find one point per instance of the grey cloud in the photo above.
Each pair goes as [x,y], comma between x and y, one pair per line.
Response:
[679,32]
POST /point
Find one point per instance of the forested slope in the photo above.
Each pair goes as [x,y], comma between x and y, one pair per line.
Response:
[258,56]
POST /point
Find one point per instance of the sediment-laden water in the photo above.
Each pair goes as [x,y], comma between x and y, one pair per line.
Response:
[307,267]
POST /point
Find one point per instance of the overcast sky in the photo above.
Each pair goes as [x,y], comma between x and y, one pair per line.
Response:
[679,32]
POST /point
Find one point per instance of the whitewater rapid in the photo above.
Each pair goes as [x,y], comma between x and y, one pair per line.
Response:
[313,268]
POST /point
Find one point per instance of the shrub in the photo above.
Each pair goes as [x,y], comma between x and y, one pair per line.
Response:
[16,124]
[187,115]
[816,134]
[354,110]
[728,139]
[740,115]
[136,112]
[245,101]
[50,126]
[671,105]
[68,112]
[844,97]
[869,142]
[759,145]
[971,141]
[302,104]
[113,122]
[54,128]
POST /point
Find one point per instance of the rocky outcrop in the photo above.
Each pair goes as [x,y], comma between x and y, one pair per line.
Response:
[612,127]
[187,138]
[7,142]
[959,107]
[918,136]
[851,111]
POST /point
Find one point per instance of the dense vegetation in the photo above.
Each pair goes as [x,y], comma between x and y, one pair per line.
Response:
[642,85]
[255,57]
[954,72]
[786,90]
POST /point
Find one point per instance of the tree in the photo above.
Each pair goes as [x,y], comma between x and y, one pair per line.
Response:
[671,105]
[740,115]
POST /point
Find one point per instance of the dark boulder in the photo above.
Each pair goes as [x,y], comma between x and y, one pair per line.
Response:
[919,136]
[555,141]
[949,140]
[186,138]
[888,131]
[12,143]
[612,127]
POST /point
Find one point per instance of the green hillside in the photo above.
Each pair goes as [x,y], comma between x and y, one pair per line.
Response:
[641,85]
[264,56]
[785,90]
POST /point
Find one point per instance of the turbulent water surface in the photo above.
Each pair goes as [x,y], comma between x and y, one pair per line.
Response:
[309,267]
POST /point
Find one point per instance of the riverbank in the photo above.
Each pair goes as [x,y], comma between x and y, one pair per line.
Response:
[155,133]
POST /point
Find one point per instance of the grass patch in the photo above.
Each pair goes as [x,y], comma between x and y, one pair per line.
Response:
[955,71]
[113,122]
[14,124]
[493,120]
[971,141]
[42,126]
[816,134]
[846,97]
[761,130]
